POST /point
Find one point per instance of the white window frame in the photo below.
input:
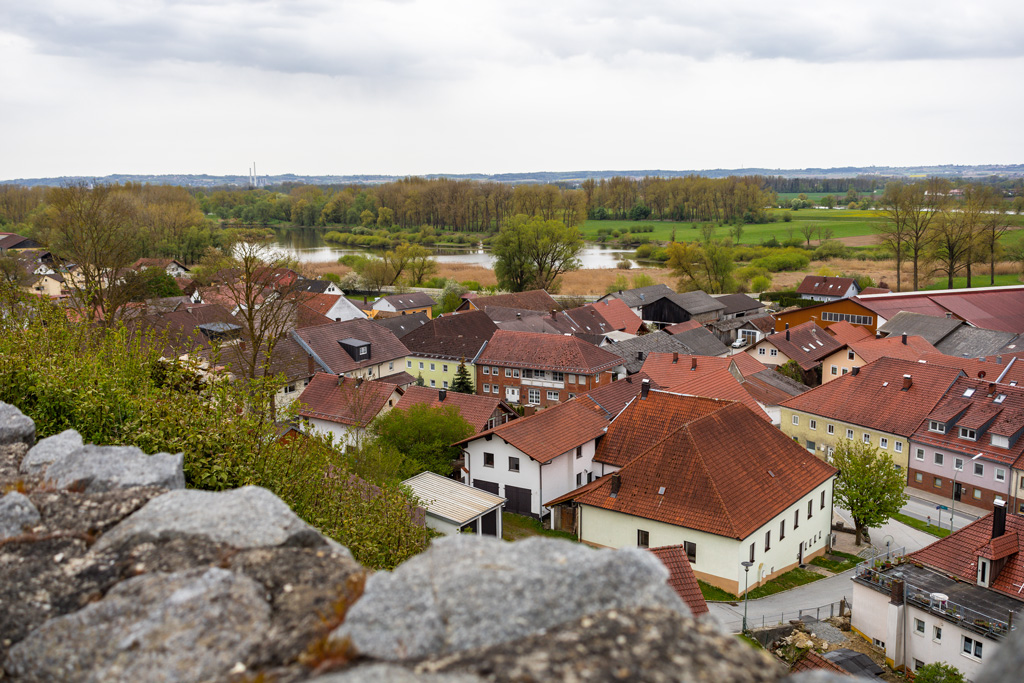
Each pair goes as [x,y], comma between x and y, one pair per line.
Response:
[1000,474]
[813,424]
[883,443]
[835,370]
[508,372]
[774,352]
[533,396]
[831,429]
[487,388]
[513,463]
[849,434]
[979,469]
[919,454]
[938,459]
[936,426]
[552,395]
[796,419]
[971,648]
[760,351]
[898,446]
[968,434]
[866,437]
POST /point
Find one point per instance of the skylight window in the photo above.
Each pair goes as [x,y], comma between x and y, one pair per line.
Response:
[885,384]
[969,392]
[1000,398]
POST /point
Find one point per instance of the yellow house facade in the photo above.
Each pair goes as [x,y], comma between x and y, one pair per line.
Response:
[437,373]
[821,435]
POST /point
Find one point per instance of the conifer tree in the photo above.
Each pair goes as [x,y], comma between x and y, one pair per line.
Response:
[463,383]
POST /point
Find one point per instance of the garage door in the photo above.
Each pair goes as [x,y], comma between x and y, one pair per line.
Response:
[489,486]
[518,500]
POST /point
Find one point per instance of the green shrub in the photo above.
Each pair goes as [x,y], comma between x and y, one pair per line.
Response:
[830,249]
[789,259]
[644,251]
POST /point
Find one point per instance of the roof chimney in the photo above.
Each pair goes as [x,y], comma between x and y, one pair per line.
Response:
[442,394]
[904,338]
[879,334]
[675,357]
[855,370]
[998,518]
[907,382]
[999,360]
[991,388]
[639,355]
[553,313]
[616,483]
[693,362]
[341,380]
[309,365]
[518,315]
[949,315]
[645,388]
[787,331]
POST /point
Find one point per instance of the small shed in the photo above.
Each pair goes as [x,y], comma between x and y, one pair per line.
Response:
[453,507]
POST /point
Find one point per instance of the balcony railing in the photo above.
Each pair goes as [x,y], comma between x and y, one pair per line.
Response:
[547,383]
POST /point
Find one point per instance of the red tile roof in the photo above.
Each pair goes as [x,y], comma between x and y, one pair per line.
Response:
[547,352]
[587,320]
[615,396]
[476,410]
[979,411]
[533,300]
[958,553]
[321,303]
[637,429]
[747,364]
[619,315]
[892,347]
[703,475]
[323,340]
[683,327]
[972,367]
[826,286]
[670,369]
[807,343]
[874,397]
[845,332]
[990,308]
[551,432]
[351,402]
[720,384]
[681,577]
[812,661]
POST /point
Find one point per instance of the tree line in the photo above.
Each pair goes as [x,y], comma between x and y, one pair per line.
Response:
[943,230]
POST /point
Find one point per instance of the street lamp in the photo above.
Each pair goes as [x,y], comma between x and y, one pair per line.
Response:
[952,498]
[747,564]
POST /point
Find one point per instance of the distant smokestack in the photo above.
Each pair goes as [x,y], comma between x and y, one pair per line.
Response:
[442,395]
[693,362]
[645,388]
[616,483]
[904,338]
[907,382]
[998,518]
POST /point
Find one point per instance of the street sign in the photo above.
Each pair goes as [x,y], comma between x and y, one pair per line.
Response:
[941,507]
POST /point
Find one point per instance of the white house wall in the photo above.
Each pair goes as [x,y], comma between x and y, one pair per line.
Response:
[870,618]
[718,558]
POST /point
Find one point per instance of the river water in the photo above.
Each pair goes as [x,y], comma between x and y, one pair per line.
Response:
[309,245]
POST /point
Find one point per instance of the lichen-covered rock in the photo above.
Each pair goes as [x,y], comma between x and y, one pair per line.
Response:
[640,644]
[50,450]
[249,517]
[187,626]
[16,513]
[95,469]
[15,426]
[466,592]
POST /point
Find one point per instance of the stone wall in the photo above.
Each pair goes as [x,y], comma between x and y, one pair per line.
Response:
[111,570]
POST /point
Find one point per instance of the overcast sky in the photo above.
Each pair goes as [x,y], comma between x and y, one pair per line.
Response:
[490,86]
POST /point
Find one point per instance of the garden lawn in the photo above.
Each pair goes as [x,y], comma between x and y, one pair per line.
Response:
[922,526]
[518,527]
[791,579]
[981,280]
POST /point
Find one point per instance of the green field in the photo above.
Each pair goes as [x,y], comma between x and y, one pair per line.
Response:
[979,279]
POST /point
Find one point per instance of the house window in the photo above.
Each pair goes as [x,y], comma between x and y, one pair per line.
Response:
[643,538]
[508,372]
[796,419]
[835,370]
[811,446]
[878,643]
[849,433]
[782,529]
[898,446]
[979,469]
[579,479]
[552,395]
[752,550]
[883,442]
[408,363]
[691,551]
[444,384]
[849,354]
[579,452]
[289,388]
[572,396]
[487,388]
[810,509]
[938,458]
[558,376]
[494,371]
[1000,474]
[432,366]
[972,647]
[822,506]
[528,374]
[845,370]
[488,459]
[937,482]
[919,454]
[775,352]
[760,351]
[919,626]
[433,383]
[767,540]
[572,379]
[958,464]
[937,633]
[487,369]
[534,396]
[977,494]
[796,519]
[918,477]
[936,426]
[421,365]
[444,368]
[515,373]
[969,434]
[513,463]
[391,365]
[1000,441]
[813,424]
[867,438]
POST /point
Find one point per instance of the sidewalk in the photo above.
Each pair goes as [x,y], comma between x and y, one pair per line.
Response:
[934,499]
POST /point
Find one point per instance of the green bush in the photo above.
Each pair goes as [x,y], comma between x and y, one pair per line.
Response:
[644,251]
[789,259]
[830,249]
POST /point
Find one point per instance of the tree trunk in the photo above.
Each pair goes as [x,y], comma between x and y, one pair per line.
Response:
[859,532]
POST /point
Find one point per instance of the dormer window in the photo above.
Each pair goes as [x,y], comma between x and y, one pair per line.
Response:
[936,426]
[969,434]
[1000,441]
